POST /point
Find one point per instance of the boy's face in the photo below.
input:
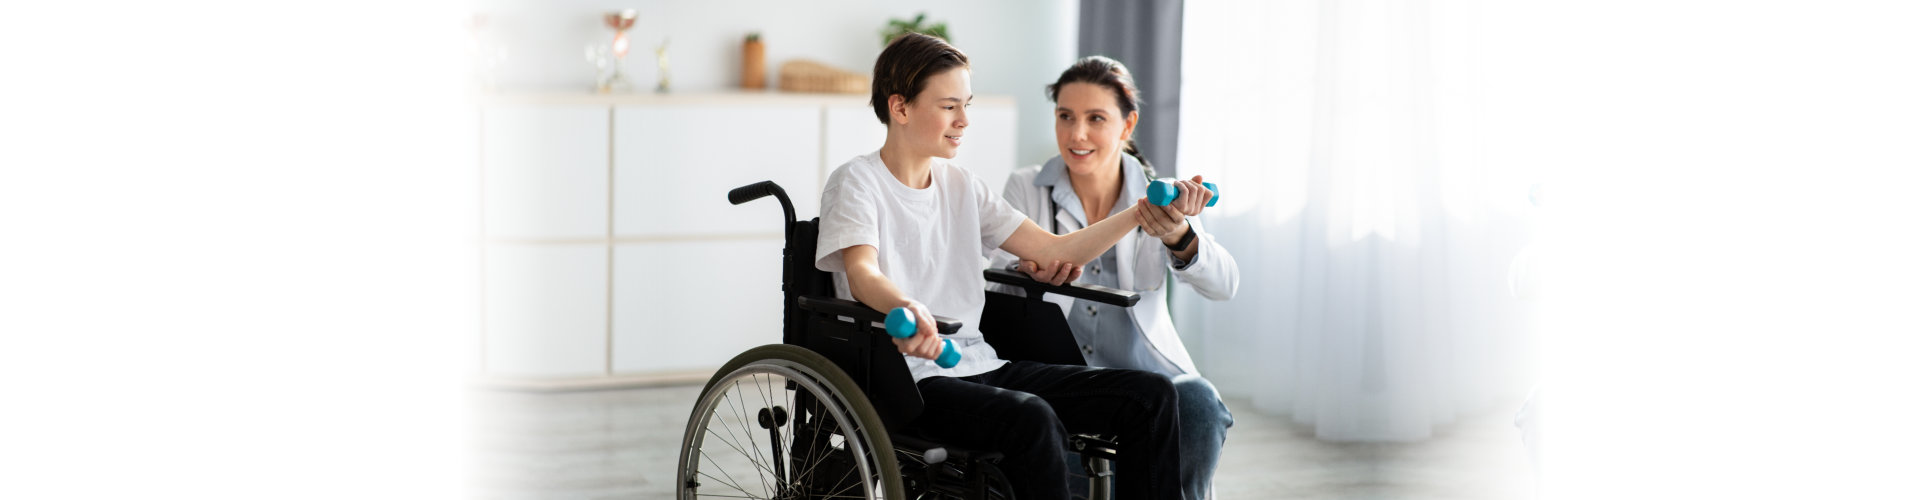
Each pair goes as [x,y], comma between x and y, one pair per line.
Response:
[936,119]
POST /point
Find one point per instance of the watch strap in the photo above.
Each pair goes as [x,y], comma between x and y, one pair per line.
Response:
[1185,239]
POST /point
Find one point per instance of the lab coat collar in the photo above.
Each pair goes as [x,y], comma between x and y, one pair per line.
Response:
[1133,182]
[1054,173]
[1133,185]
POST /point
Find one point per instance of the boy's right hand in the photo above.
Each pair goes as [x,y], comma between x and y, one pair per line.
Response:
[924,343]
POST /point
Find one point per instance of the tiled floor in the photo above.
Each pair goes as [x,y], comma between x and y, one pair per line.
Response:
[622,444]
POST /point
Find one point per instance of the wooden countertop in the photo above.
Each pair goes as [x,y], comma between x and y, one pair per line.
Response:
[693,98]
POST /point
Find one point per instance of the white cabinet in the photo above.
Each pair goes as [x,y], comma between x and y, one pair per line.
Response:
[856,131]
[545,212]
[545,310]
[611,250]
[544,170]
[988,148]
[695,304]
[673,166]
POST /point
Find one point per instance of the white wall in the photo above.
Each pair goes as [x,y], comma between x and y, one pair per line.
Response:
[1017,46]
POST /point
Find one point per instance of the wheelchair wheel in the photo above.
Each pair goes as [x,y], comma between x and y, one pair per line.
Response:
[780,421]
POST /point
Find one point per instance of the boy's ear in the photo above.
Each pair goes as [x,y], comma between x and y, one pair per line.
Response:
[897,109]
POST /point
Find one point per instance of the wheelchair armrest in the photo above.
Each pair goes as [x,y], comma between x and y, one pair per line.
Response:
[860,312]
[1034,288]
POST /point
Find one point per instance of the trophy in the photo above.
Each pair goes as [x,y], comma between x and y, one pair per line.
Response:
[660,58]
[614,54]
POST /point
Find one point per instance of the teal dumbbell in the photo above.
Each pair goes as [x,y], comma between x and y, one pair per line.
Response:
[901,324]
[1162,192]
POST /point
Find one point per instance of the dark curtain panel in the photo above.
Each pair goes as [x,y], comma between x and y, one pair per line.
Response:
[1144,35]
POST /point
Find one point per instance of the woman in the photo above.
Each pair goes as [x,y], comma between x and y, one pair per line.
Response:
[903,227]
[1096,110]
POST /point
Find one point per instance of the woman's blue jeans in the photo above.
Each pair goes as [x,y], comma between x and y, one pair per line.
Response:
[1204,420]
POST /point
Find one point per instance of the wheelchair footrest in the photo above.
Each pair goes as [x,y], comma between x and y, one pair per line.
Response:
[1093,446]
[928,450]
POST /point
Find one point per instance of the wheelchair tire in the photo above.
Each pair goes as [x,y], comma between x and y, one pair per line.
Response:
[781,421]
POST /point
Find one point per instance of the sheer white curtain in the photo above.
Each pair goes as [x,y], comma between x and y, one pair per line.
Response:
[1373,239]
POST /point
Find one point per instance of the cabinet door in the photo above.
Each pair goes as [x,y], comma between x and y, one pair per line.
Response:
[852,131]
[693,304]
[673,166]
[546,309]
[544,172]
[988,150]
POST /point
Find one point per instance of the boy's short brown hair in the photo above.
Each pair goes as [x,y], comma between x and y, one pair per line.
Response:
[905,65]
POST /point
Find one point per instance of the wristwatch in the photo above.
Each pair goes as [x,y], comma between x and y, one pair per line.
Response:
[1185,239]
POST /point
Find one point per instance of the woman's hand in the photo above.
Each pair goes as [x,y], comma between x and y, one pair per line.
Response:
[1055,274]
[1193,197]
[924,343]
[1169,223]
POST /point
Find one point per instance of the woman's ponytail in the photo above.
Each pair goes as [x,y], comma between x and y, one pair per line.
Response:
[1133,148]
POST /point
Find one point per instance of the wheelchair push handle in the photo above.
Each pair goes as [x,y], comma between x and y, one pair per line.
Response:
[901,324]
[753,191]
[1163,192]
[760,190]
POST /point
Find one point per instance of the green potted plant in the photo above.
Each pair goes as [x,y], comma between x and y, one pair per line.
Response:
[896,27]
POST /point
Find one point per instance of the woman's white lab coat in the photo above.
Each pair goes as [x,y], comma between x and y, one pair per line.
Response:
[1143,259]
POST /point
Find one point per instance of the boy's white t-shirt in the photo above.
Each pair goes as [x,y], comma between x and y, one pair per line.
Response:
[930,243]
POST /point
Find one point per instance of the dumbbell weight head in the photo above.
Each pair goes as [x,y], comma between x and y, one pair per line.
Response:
[1163,192]
[949,355]
[901,324]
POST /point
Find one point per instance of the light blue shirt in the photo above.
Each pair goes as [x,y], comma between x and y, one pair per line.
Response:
[1106,333]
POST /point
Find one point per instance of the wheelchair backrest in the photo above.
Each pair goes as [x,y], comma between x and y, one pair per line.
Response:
[864,352]
[799,277]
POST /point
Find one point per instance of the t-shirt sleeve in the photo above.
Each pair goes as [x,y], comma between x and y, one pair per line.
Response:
[998,219]
[1015,194]
[848,218]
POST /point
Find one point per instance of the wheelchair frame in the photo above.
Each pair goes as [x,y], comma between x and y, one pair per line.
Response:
[834,364]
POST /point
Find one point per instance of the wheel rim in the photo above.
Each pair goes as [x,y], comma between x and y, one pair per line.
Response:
[756,435]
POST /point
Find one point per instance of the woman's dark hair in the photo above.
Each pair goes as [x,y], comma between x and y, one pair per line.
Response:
[905,65]
[1105,72]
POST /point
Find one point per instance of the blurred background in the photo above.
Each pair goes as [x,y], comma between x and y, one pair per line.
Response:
[478,248]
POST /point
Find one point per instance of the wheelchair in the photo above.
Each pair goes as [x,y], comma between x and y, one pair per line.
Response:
[828,412]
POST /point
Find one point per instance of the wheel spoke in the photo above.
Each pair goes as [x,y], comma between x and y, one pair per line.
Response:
[766,397]
[734,443]
[845,435]
[843,478]
[763,470]
[723,471]
[837,432]
[818,458]
[734,440]
[742,452]
[814,454]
